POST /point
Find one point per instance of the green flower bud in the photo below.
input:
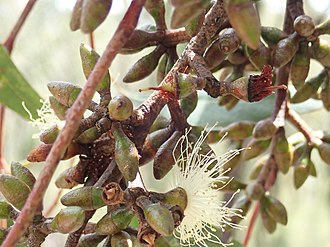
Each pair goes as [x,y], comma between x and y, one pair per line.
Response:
[213,55]
[156,8]
[275,209]
[324,151]
[228,41]
[264,129]
[256,171]
[120,108]
[23,174]
[49,135]
[114,221]
[68,220]
[258,57]
[324,27]
[89,58]
[14,190]
[144,66]
[298,151]
[245,20]
[285,50]
[321,52]
[93,13]
[177,196]
[283,154]
[126,154]
[238,57]
[239,130]
[157,216]
[58,108]
[189,104]
[140,39]
[164,159]
[64,92]
[161,242]
[268,222]
[300,175]
[88,136]
[121,239]
[325,93]
[90,240]
[161,69]
[160,122]
[304,25]
[188,84]
[300,65]
[310,87]
[272,35]
[254,148]
[76,15]
[6,210]
[254,191]
[88,198]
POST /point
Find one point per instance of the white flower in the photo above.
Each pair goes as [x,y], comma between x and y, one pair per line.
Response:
[47,118]
[204,209]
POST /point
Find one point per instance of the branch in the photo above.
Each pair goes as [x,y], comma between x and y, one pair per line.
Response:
[251,224]
[123,32]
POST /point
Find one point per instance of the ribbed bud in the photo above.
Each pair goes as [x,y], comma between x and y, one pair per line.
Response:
[88,136]
[325,93]
[64,92]
[93,13]
[275,209]
[88,198]
[58,108]
[300,65]
[245,20]
[121,239]
[14,190]
[238,131]
[114,221]
[126,154]
[157,216]
[164,159]
[254,191]
[90,240]
[272,35]
[283,154]
[324,151]
[156,8]
[6,210]
[68,220]
[89,58]
[285,50]
[22,173]
[304,25]
[254,148]
[309,88]
[321,52]
[264,129]
[268,222]
[76,15]
[144,66]
[188,84]
[258,57]
[49,135]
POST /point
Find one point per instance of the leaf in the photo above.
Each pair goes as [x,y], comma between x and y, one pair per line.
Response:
[14,89]
[236,244]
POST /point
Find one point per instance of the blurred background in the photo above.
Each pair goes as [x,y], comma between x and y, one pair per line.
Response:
[47,50]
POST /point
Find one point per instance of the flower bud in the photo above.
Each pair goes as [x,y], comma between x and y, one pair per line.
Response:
[321,52]
[254,148]
[304,25]
[88,136]
[264,129]
[157,216]
[189,104]
[126,154]
[93,13]
[14,190]
[237,57]
[285,50]
[300,65]
[156,8]
[256,171]
[228,41]
[89,58]
[325,94]
[49,135]
[22,173]
[254,191]
[258,57]
[238,130]
[309,88]
[283,154]
[228,185]
[76,15]
[177,196]
[63,182]
[275,209]
[161,242]
[161,69]
[114,221]
[272,35]
[6,210]
[188,84]
[144,66]
[90,240]
[140,39]
[245,20]
[68,220]
[164,159]
[268,222]
[39,153]
[58,108]
[300,175]
[213,55]
[324,27]
[324,152]
[121,239]
[64,92]
[88,198]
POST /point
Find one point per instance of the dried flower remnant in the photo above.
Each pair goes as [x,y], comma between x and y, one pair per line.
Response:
[196,174]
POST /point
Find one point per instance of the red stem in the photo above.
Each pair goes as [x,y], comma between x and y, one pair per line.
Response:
[3,164]
[91,40]
[251,224]
[122,34]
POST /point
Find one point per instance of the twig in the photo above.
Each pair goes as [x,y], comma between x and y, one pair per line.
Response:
[124,30]
[3,163]
[91,40]
[9,43]
[251,224]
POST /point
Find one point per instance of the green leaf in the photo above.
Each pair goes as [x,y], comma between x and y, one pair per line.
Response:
[236,244]
[14,89]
